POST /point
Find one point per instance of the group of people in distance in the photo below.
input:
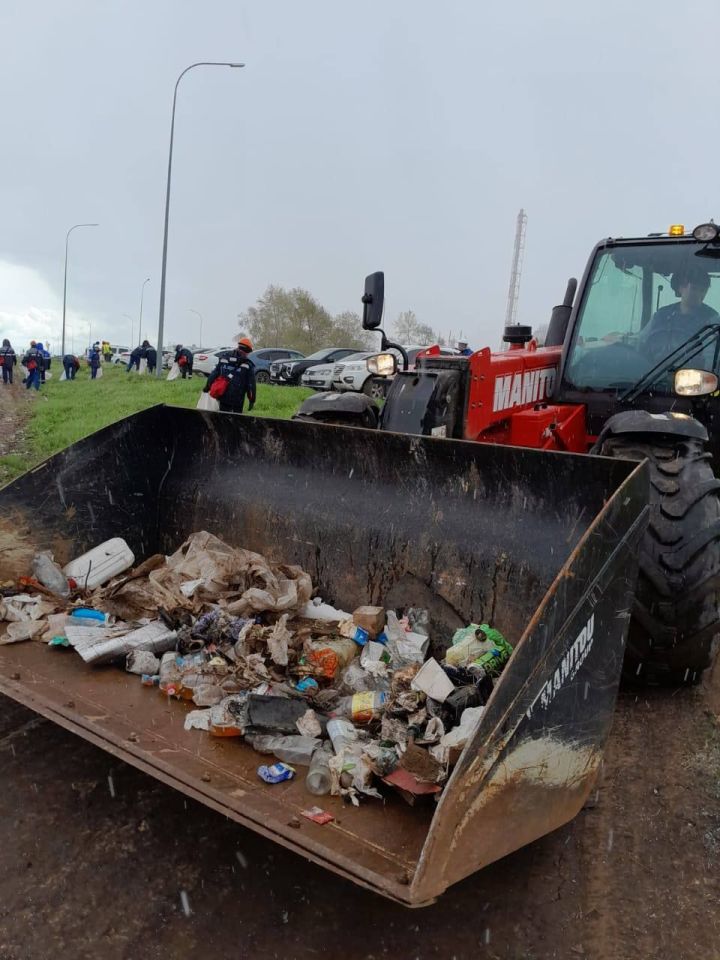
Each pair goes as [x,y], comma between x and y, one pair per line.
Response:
[231,382]
[36,361]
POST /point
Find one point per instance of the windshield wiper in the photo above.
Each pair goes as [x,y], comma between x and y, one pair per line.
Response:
[680,355]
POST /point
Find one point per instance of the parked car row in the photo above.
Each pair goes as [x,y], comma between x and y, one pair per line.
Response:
[333,368]
[205,361]
[290,372]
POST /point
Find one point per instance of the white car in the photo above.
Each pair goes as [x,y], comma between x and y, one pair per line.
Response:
[320,377]
[205,361]
[116,353]
[353,374]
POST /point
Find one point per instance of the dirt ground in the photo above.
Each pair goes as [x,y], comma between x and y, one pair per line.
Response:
[98,859]
[15,408]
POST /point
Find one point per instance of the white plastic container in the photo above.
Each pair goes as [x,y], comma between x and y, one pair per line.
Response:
[100,564]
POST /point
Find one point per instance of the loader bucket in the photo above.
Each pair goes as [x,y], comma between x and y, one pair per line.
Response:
[542,545]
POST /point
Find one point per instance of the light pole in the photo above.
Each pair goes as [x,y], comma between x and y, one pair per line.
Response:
[67,240]
[197,312]
[142,294]
[161,316]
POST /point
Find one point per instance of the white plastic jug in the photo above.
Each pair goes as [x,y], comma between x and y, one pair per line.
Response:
[100,564]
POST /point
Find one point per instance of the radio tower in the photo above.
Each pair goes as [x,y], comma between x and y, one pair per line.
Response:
[516,270]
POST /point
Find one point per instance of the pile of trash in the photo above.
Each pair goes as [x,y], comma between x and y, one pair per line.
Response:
[356,697]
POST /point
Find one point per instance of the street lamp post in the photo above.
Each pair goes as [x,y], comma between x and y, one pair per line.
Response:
[197,313]
[161,316]
[67,240]
[142,294]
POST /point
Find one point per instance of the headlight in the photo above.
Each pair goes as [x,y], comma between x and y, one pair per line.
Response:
[695,383]
[383,364]
[706,232]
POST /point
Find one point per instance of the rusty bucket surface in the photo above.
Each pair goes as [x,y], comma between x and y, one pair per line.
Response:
[540,544]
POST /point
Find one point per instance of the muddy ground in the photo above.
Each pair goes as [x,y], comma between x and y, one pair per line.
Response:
[97,859]
[100,860]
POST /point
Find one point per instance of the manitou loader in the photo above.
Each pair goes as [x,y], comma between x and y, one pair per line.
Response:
[629,369]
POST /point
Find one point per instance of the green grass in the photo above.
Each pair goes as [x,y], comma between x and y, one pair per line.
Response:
[66,412]
[12,466]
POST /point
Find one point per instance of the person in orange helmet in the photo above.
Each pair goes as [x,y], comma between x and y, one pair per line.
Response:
[233,379]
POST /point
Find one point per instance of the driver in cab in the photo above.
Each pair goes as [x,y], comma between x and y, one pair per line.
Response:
[674,323]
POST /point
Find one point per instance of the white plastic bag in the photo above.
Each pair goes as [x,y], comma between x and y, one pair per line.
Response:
[206,402]
[63,376]
[174,372]
[99,373]
[143,365]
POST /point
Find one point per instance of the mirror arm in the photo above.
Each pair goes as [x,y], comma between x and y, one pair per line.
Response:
[385,344]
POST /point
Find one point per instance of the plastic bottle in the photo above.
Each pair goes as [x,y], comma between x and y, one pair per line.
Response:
[342,733]
[290,749]
[361,707]
[319,778]
[49,574]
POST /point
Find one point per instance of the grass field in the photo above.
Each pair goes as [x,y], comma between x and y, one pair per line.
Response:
[66,412]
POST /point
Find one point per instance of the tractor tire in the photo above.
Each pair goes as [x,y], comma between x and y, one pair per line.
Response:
[675,623]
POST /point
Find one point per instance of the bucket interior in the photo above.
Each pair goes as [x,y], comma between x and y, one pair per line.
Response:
[474,533]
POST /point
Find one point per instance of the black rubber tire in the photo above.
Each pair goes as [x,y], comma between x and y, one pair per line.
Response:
[262,376]
[675,623]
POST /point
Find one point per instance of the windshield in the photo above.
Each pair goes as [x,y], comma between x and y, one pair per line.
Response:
[642,302]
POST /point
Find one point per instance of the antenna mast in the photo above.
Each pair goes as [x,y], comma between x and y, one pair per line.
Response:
[516,270]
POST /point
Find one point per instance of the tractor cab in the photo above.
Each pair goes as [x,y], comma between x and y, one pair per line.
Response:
[644,332]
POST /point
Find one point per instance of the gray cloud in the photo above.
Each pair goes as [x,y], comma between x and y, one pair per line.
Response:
[400,136]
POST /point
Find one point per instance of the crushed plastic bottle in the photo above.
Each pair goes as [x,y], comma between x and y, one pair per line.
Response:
[361,707]
[319,778]
[49,574]
[291,749]
[342,733]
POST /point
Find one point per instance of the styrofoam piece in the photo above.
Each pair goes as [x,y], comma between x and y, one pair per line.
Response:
[433,681]
[100,564]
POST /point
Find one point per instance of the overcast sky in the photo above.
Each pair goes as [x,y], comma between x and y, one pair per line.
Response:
[401,136]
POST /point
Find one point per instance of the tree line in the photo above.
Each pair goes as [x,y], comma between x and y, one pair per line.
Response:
[295,319]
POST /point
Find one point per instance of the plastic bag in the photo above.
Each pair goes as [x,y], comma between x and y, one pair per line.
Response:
[219,387]
[174,372]
[206,402]
[143,365]
[99,373]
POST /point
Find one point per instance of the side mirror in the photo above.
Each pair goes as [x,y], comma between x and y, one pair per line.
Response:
[382,364]
[373,300]
[695,383]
